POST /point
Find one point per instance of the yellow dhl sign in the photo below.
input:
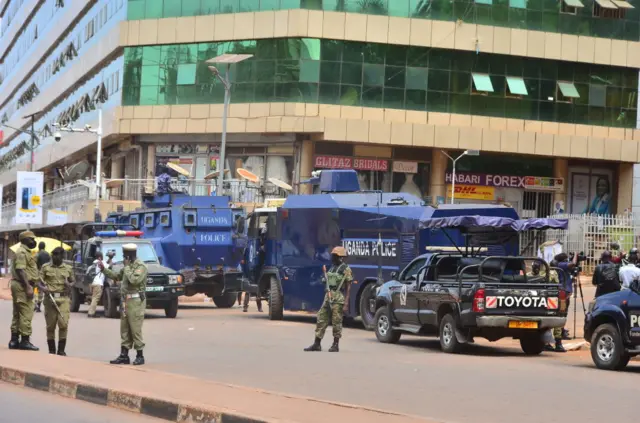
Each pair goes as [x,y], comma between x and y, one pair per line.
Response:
[274,202]
[473,192]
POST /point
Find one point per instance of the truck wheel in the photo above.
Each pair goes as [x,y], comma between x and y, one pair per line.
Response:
[276,305]
[532,344]
[384,329]
[76,300]
[110,304]
[607,349]
[171,309]
[368,317]
[448,341]
[225,301]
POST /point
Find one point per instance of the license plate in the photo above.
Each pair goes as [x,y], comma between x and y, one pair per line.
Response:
[155,289]
[522,325]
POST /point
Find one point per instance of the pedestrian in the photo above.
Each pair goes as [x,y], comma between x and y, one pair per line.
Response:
[98,282]
[133,277]
[630,271]
[42,258]
[56,281]
[335,303]
[569,267]
[605,277]
[24,274]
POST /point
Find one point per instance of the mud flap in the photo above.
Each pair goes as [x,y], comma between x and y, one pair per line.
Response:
[463,337]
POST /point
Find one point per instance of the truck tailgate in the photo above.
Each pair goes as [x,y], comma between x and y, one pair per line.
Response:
[523,299]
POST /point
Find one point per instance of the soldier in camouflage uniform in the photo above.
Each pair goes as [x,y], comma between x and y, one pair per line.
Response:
[56,282]
[24,275]
[133,297]
[336,303]
[553,278]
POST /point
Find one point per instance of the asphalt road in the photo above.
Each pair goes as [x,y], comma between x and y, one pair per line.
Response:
[490,384]
[27,405]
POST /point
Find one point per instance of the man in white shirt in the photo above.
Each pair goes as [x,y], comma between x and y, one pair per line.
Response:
[98,282]
[630,272]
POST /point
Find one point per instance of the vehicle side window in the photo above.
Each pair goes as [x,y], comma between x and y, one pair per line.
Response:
[253,226]
[409,274]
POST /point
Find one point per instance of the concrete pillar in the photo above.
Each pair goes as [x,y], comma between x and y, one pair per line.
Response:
[151,168]
[625,187]
[438,187]
[306,166]
[561,170]
[117,168]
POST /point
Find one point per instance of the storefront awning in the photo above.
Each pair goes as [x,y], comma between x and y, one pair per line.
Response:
[517,86]
[568,89]
[482,82]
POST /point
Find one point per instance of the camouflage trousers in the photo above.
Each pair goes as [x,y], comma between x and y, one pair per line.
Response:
[330,312]
[557,332]
[22,310]
[55,319]
[131,324]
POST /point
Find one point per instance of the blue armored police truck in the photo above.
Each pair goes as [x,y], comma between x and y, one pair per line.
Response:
[288,246]
[202,237]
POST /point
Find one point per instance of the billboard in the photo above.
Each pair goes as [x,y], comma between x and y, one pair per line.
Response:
[29,198]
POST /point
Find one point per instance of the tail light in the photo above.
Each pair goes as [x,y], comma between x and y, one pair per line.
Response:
[478,301]
[562,296]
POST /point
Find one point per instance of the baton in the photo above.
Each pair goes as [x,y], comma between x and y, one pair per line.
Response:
[326,280]
[55,305]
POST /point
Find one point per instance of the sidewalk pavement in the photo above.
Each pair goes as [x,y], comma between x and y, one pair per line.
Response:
[174,397]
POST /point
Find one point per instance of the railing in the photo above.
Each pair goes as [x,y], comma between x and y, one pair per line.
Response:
[591,234]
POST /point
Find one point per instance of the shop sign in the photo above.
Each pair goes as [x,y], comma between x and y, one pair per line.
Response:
[405,167]
[487,179]
[339,162]
[473,192]
[544,183]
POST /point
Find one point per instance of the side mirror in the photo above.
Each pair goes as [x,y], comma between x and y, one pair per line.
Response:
[394,275]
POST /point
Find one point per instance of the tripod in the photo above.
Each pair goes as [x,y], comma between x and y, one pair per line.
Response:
[575,281]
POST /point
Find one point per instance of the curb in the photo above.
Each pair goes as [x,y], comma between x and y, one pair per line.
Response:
[152,407]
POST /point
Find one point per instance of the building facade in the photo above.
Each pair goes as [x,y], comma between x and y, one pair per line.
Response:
[546,90]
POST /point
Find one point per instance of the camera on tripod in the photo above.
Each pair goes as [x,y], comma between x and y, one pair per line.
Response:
[578,268]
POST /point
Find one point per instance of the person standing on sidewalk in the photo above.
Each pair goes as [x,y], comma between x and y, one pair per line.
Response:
[56,283]
[24,274]
[133,297]
[42,258]
[335,302]
[98,281]
[605,277]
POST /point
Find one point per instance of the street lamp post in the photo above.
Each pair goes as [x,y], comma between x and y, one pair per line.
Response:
[227,60]
[98,132]
[453,173]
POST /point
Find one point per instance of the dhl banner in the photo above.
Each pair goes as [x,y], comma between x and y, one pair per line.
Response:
[473,192]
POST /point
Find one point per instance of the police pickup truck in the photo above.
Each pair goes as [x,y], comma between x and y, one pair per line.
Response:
[164,285]
[457,298]
[612,326]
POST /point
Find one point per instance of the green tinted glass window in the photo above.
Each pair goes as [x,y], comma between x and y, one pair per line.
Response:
[416,78]
[186,74]
[568,89]
[518,4]
[309,71]
[482,82]
[517,86]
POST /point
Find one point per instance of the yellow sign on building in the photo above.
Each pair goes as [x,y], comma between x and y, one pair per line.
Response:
[473,192]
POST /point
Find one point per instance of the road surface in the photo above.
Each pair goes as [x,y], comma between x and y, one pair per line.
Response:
[28,405]
[493,383]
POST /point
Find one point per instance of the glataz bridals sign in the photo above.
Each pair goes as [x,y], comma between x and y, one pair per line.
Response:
[340,162]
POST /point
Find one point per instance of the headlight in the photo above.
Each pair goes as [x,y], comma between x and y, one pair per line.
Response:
[175,279]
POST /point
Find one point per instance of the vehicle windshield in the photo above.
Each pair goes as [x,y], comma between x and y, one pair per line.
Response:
[146,253]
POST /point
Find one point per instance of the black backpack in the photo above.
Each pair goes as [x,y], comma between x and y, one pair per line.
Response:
[610,274]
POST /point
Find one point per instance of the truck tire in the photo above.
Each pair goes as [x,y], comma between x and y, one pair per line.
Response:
[532,344]
[368,317]
[448,341]
[76,300]
[171,309]
[607,348]
[110,304]
[276,305]
[384,328]
[225,301]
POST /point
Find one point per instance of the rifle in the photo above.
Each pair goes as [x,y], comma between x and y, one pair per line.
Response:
[326,282]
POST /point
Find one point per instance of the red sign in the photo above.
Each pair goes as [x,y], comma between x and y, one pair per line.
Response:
[339,162]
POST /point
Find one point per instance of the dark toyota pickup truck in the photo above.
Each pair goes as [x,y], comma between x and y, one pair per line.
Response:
[458,297]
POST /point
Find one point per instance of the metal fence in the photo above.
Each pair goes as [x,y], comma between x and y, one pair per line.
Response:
[590,234]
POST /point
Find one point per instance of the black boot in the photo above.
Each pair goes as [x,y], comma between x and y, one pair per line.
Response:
[335,347]
[123,358]
[549,347]
[37,308]
[51,343]
[565,335]
[62,343]
[259,304]
[559,347]
[15,341]
[26,345]
[315,346]
[139,361]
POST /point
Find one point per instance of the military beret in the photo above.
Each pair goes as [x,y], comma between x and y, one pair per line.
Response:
[129,247]
[25,235]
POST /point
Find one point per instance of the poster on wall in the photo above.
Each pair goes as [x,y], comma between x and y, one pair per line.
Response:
[29,197]
[591,193]
[56,217]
